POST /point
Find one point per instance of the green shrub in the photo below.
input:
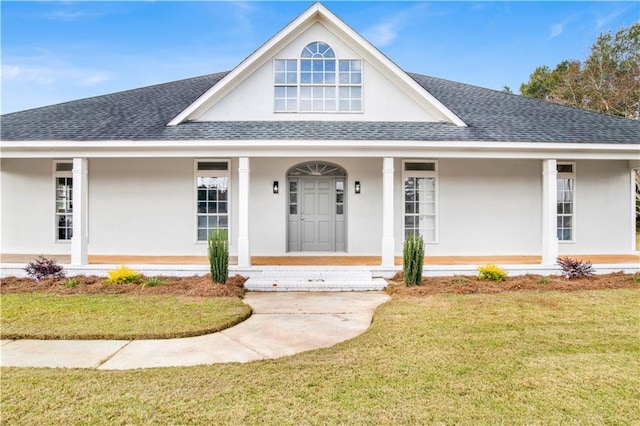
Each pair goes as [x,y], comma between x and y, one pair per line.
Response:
[123,275]
[153,282]
[491,272]
[71,283]
[542,280]
[413,260]
[218,249]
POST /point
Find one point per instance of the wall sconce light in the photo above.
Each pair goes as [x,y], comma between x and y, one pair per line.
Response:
[357,187]
[275,187]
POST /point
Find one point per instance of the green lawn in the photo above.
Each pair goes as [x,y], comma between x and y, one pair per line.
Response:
[511,358]
[51,316]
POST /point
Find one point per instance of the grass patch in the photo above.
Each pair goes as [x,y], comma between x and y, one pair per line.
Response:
[510,358]
[116,316]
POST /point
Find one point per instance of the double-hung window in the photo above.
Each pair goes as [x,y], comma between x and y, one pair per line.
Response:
[63,176]
[420,199]
[212,197]
[566,200]
[318,82]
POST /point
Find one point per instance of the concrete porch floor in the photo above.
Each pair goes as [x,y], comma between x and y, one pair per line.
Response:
[337,259]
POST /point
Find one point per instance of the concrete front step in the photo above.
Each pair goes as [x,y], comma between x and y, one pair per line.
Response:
[314,280]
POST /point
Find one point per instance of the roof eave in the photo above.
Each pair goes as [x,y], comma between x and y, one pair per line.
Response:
[293,148]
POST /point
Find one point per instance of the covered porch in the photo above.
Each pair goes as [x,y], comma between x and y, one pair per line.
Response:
[491,206]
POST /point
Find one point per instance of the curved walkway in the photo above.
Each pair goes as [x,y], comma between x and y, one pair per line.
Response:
[282,324]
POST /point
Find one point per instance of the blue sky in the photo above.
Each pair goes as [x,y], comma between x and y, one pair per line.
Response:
[59,51]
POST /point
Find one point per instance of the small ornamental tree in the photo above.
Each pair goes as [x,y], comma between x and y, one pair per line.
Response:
[218,250]
[413,260]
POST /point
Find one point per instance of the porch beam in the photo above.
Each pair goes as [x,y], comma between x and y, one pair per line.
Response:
[80,197]
[388,242]
[244,252]
[549,206]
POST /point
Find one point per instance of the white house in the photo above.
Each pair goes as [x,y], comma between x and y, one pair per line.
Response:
[317,146]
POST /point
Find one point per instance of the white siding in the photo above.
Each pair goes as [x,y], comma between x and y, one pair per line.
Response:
[602,208]
[28,203]
[146,207]
[485,207]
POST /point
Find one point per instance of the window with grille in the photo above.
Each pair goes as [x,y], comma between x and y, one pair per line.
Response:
[565,201]
[318,82]
[212,197]
[420,199]
[63,175]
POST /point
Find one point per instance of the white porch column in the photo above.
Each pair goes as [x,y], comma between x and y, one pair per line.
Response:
[80,197]
[244,254]
[388,242]
[549,214]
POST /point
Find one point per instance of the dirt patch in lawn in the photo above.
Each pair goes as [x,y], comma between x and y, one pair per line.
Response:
[462,284]
[194,286]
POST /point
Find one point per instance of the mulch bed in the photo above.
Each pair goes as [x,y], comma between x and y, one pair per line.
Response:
[201,285]
[460,284]
[194,286]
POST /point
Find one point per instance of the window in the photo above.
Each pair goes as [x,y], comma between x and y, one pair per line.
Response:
[420,197]
[565,202]
[212,197]
[317,82]
[64,199]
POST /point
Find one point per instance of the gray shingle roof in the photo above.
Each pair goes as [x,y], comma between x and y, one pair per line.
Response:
[142,114]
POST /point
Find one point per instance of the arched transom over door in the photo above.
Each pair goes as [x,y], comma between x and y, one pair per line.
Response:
[316,210]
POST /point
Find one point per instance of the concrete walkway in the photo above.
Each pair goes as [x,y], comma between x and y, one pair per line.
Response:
[282,324]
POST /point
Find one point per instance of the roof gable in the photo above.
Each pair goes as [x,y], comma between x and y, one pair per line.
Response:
[317,13]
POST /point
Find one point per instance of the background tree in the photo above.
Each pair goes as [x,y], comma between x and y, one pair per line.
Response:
[607,81]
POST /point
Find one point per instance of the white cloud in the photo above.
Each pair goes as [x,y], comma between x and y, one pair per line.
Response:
[38,75]
[559,27]
[95,79]
[64,15]
[556,30]
[244,15]
[10,71]
[604,20]
[44,70]
[382,35]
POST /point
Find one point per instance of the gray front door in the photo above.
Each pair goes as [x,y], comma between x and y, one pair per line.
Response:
[316,214]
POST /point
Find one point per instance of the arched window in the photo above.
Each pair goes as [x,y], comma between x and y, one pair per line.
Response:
[318,82]
[316,168]
[318,50]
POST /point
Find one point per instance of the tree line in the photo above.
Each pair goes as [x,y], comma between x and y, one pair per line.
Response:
[607,81]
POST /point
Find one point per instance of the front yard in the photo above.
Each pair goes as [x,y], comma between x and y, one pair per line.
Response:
[118,317]
[524,357]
